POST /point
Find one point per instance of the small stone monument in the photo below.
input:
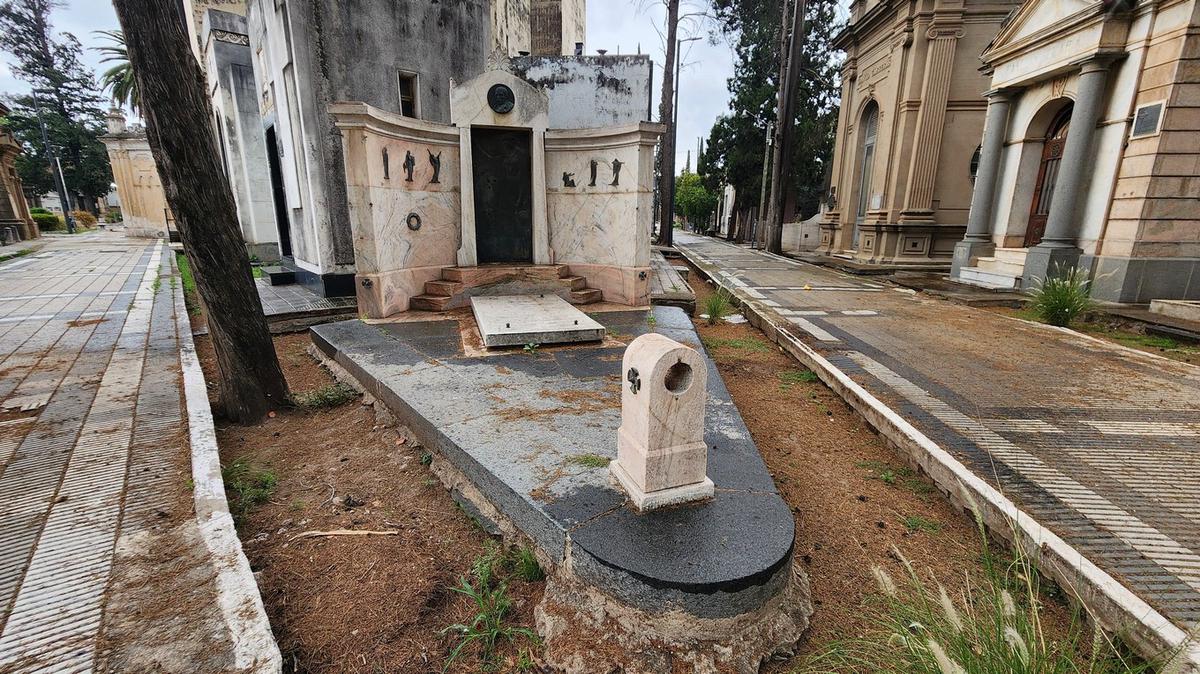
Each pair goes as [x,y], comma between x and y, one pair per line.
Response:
[661,455]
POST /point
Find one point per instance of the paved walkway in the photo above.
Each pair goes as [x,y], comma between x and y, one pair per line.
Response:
[101,566]
[1099,443]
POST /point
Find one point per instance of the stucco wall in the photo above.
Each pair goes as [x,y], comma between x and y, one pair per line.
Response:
[591,91]
[143,202]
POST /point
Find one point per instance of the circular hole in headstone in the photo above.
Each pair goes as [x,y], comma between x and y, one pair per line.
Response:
[679,378]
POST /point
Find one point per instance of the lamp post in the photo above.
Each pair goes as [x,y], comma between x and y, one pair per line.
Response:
[55,168]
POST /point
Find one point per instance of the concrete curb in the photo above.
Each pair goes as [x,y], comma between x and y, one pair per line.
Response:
[241,604]
[1116,608]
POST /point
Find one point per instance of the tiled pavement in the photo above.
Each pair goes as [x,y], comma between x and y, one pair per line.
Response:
[1099,443]
[294,299]
[93,457]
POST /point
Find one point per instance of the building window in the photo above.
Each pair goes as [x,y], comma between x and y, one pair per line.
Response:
[869,130]
[408,95]
[975,162]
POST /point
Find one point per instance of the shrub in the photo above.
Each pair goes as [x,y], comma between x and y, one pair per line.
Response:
[1062,298]
[113,215]
[38,209]
[84,219]
[717,305]
[48,222]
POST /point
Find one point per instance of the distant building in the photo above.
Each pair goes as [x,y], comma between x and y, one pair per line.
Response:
[144,207]
[14,212]
[911,116]
[1091,155]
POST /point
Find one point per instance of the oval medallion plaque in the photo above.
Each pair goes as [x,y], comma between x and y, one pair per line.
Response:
[501,99]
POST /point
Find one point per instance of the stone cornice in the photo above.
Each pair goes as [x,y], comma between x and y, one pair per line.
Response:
[641,133]
[361,116]
[1084,18]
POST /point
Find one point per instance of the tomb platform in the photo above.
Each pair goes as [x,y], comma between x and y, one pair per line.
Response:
[522,437]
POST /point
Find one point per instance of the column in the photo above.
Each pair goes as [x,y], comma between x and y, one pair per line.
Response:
[1058,250]
[978,241]
[931,120]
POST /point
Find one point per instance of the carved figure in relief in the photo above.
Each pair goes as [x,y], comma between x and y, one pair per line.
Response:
[410,163]
[435,160]
[617,164]
[568,179]
[593,181]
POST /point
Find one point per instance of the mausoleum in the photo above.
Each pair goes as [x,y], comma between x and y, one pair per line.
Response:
[496,202]
[1092,151]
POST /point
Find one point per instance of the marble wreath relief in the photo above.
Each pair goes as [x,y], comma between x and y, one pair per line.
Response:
[568,178]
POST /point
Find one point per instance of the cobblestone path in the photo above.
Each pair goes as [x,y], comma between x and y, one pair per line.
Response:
[95,517]
[1099,443]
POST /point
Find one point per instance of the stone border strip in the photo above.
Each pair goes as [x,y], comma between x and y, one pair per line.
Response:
[1114,606]
[241,604]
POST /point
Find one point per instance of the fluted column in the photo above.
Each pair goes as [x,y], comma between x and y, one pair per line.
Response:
[978,240]
[1059,249]
[939,66]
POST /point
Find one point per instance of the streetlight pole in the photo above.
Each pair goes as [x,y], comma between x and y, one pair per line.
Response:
[55,168]
[667,237]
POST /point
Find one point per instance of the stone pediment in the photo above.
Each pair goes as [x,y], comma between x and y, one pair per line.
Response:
[470,104]
[1040,20]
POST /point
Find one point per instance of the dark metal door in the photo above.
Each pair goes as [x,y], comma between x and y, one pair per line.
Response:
[503,196]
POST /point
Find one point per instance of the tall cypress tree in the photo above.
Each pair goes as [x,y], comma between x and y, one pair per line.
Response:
[68,98]
[737,141]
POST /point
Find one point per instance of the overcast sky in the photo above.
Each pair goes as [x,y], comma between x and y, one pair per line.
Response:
[615,25]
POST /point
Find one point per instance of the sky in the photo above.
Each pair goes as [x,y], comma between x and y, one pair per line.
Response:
[618,26]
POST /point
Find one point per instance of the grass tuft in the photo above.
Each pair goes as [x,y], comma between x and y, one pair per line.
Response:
[190,298]
[589,460]
[751,344]
[789,378]
[329,396]
[247,486]
[717,305]
[916,524]
[1062,297]
[489,598]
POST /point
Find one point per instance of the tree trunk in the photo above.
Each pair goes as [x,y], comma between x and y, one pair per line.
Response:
[178,119]
[781,172]
[666,115]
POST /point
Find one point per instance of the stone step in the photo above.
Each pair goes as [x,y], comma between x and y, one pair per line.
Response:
[1000,266]
[575,282]
[1013,255]
[987,279]
[443,288]
[279,276]
[430,303]
[586,296]
[484,274]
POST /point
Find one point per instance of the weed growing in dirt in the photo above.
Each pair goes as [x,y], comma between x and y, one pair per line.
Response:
[190,298]
[589,460]
[491,603]
[790,378]
[991,626]
[426,459]
[331,395]
[751,344]
[257,272]
[1061,298]
[903,476]
[157,283]
[651,320]
[16,254]
[248,486]
[717,305]
[525,565]
[531,348]
[916,523]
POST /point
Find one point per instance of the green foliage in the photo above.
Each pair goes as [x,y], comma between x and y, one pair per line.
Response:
[247,486]
[118,80]
[331,395]
[992,625]
[1062,297]
[15,254]
[113,215]
[190,298]
[589,460]
[734,152]
[717,305]
[490,602]
[48,222]
[750,344]
[692,200]
[38,209]
[916,523]
[67,96]
[257,272]
[531,348]
[526,566]
[790,378]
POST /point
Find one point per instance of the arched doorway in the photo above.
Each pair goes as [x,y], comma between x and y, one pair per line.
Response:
[1043,190]
[868,135]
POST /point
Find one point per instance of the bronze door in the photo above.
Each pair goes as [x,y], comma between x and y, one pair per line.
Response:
[1043,191]
[503,176]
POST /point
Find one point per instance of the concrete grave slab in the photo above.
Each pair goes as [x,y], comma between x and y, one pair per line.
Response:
[516,320]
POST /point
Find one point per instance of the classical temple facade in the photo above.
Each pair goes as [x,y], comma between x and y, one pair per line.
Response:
[144,209]
[911,117]
[1091,156]
[14,212]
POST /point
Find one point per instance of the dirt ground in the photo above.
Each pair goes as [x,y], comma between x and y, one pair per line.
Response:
[355,604]
[378,603]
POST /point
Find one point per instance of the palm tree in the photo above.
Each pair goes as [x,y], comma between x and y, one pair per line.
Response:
[119,79]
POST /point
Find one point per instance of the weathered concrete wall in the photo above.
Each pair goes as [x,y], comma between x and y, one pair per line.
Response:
[239,129]
[143,202]
[591,91]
